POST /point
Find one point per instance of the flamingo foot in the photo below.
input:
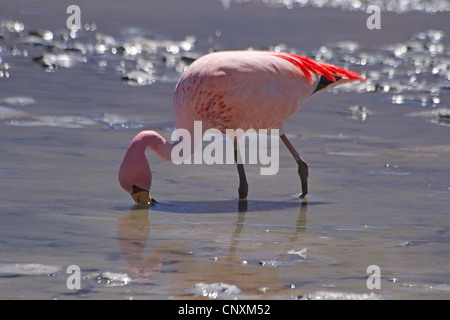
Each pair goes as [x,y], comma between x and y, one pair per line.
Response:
[304,190]
[243,192]
[303,174]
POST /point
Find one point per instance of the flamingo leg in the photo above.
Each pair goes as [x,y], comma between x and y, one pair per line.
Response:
[302,165]
[243,185]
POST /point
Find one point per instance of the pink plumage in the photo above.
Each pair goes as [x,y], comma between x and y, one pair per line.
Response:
[248,89]
[236,89]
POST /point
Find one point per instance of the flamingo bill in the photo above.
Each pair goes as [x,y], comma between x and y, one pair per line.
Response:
[142,197]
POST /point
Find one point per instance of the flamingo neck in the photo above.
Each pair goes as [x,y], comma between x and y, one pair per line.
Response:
[154,141]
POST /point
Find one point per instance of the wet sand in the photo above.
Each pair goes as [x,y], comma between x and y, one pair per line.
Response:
[379,172]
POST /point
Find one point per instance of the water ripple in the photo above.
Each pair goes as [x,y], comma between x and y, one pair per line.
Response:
[414,72]
[430,6]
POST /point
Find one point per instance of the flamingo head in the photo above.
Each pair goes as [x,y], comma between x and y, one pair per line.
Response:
[136,180]
[135,176]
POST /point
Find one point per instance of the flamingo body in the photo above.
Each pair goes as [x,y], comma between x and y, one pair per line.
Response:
[255,90]
[235,90]
[243,89]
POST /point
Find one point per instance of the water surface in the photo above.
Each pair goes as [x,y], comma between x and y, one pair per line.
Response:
[378,154]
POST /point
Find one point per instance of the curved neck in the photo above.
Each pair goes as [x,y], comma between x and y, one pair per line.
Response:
[135,170]
[156,142]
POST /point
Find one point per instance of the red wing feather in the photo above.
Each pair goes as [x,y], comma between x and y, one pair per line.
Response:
[308,65]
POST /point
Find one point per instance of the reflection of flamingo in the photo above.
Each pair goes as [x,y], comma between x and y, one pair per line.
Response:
[133,232]
[188,269]
[234,89]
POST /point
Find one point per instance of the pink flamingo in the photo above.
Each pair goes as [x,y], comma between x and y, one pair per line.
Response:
[234,89]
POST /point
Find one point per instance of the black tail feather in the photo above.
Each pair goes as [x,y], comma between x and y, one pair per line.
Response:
[324,82]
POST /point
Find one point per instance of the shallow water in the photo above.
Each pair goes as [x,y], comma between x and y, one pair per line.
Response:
[378,154]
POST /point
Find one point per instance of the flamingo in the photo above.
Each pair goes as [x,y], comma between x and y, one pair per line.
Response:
[230,90]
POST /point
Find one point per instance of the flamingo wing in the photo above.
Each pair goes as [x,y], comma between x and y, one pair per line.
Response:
[242,89]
